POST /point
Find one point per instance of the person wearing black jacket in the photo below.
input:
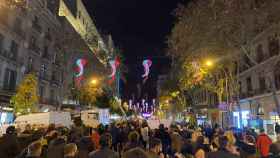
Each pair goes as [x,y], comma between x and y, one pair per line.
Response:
[223,151]
[9,145]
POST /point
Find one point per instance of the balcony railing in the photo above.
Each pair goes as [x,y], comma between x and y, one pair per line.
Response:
[35,48]
[8,55]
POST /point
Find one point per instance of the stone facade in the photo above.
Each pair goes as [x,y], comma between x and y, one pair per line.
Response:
[34,39]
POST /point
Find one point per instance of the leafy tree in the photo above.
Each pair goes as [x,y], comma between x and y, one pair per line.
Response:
[26,98]
[220,30]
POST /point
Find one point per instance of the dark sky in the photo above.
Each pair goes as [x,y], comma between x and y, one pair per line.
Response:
[140,29]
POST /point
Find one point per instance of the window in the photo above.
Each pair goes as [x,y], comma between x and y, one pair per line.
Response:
[260,55]
[52,95]
[240,87]
[249,84]
[262,83]
[14,50]
[48,35]
[30,64]
[36,24]
[46,52]
[17,25]
[32,42]
[43,71]
[273,46]
[33,45]
[41,91]
[10,79]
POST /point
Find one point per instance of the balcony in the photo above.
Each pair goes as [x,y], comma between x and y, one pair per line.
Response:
[35,49]
[8,55]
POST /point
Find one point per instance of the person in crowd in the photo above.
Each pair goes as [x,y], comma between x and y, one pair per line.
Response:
[115,132]
[200,148]
[223,151]
[145,134]
[155,150]
[104,151]
[163,135]
[277,129]
[27,129]
[263,143]
[135,153]
[56,146]
[176,141]
[9,145]
[231,141]
[248,147]
[133,141]
[95,138]
[34,150]
[70,150]
[85,146]
[274,151]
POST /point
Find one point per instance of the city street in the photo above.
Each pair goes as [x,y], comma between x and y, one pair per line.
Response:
[139,79]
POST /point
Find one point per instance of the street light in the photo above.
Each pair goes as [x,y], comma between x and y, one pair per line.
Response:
[94,82]
[209,63]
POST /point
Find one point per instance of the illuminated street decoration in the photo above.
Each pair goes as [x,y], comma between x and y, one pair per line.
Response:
[114,66]
[147,64]
[80,65]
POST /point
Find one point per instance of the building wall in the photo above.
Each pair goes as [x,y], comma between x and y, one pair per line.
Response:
[261,94]
[36,30]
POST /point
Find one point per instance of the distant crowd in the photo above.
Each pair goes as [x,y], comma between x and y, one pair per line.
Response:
[135,139]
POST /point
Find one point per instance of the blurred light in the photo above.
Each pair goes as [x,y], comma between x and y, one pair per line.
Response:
[209,63]
[94,81]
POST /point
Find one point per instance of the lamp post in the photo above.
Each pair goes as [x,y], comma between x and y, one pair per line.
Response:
[209,64]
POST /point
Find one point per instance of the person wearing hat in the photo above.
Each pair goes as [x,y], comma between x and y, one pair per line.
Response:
[9,145]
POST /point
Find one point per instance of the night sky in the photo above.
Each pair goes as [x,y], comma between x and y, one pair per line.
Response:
[140,29]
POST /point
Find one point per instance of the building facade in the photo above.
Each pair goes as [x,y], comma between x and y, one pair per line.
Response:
[35,39]
[260,82]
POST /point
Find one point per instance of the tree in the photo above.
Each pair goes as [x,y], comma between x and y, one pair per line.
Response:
[219,30]
[26,98]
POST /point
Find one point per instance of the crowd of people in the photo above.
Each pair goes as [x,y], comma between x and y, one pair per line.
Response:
[135,139]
